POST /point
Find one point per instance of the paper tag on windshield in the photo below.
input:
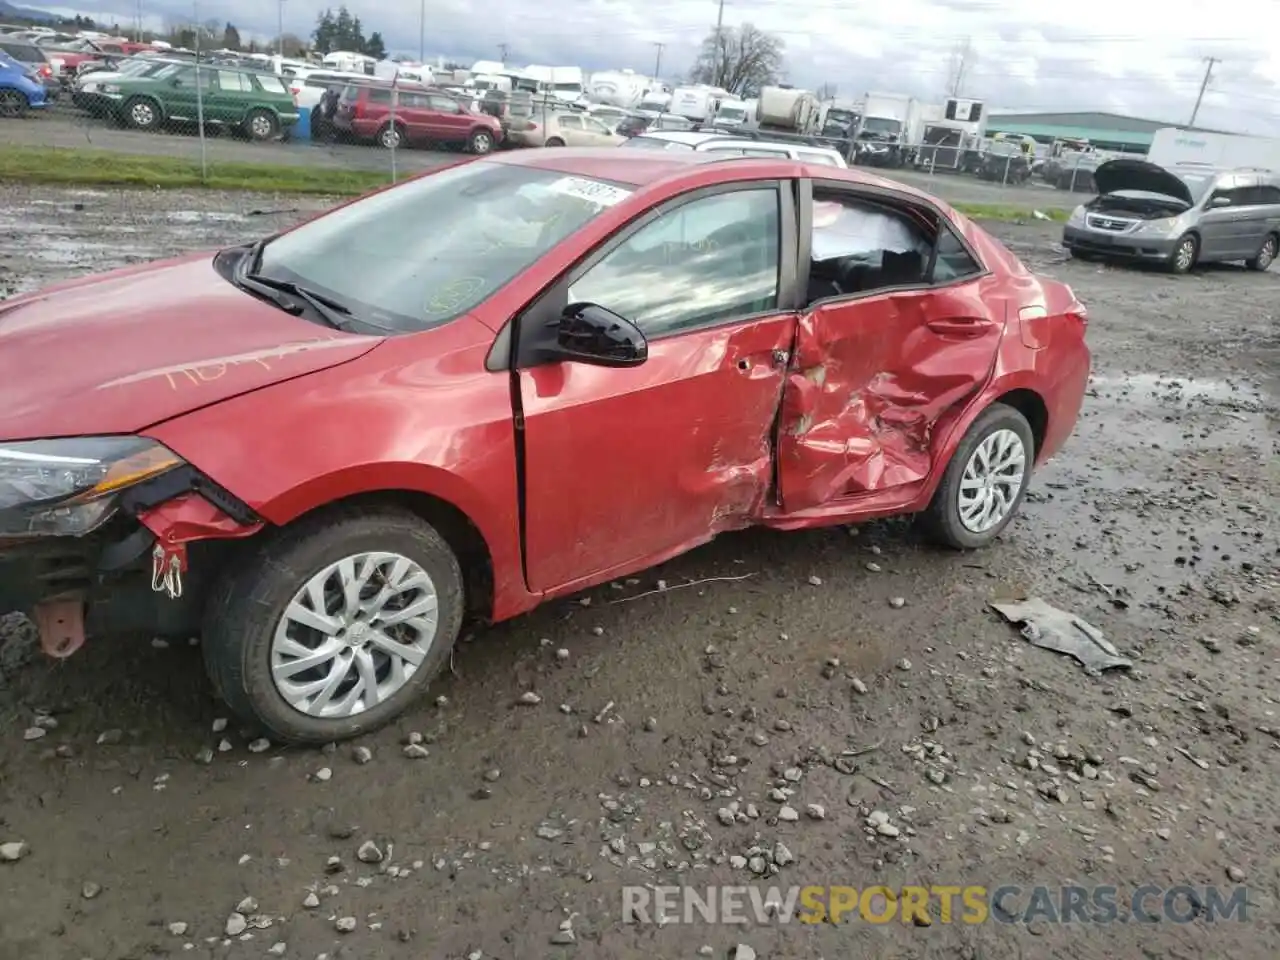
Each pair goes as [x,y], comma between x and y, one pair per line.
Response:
[593,191]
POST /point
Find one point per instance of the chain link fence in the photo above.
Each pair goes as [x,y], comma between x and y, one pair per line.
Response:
[217,119]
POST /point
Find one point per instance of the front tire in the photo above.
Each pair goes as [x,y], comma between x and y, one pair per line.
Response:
[335,625]
[984,483]
[481,142]
[1184,255]
[143,113]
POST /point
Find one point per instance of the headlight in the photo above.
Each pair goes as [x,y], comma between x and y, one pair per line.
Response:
[67,488]
[1077,216]
[1161,227]
[110,88]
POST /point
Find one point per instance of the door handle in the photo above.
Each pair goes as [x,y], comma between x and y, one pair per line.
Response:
[959,326]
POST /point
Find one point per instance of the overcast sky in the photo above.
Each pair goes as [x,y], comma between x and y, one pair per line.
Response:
[1144,58]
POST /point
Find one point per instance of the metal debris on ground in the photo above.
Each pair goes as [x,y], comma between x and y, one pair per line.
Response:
[1049,628]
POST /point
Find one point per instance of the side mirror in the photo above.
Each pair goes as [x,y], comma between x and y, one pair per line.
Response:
[1217,202]
[589,333]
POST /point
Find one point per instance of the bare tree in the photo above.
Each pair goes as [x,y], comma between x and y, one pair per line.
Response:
[739,59]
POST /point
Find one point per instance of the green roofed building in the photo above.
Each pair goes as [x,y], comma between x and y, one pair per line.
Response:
[1106,131]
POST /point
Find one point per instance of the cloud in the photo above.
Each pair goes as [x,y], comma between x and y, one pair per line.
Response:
[1143,59]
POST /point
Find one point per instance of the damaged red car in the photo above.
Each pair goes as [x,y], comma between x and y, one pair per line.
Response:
[498,383]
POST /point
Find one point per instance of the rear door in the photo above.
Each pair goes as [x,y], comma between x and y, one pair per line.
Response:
[625,467]
[447,118]
[597,134]
[892,338]
[571,131]
[229,97]
[415,112]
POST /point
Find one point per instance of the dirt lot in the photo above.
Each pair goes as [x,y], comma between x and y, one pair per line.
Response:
[686,711]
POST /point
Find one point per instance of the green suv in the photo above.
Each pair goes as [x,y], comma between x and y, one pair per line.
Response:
[257,103]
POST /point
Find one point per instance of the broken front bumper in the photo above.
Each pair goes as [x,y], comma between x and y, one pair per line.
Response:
[147,570]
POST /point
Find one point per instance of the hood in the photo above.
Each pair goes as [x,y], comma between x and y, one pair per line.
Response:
[1126,174]
[125,350]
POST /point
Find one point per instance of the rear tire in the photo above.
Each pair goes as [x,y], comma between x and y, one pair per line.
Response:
[391,137]
[954,518]
[1266,254]
[555,142]
[13,103]
[1184,255]
[261,125]
[257,626]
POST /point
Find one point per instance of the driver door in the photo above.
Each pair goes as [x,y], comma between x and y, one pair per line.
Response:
[625,467]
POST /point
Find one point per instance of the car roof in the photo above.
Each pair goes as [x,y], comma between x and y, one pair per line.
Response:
[641,167]
[690,137]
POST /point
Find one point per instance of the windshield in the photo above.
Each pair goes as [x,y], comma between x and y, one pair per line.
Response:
[424,253]
[732,113]
[881,125]
[652,143]
[842,117]
[568,87]
[657,106]
[1199,184]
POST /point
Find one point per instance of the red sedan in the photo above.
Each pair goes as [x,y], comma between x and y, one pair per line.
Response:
[499,383]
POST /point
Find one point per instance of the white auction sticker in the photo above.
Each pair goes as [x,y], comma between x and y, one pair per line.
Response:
[593,191]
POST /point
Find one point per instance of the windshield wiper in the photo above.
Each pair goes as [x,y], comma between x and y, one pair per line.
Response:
[332,312]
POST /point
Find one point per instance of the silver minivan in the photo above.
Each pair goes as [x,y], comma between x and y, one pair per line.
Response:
[1178,217]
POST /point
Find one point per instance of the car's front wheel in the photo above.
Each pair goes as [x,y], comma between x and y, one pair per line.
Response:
[985,481]
[143,113]
[1184,255]
[335,625]
[481,142]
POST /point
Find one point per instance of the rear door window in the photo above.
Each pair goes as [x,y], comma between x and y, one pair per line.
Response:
[270,84]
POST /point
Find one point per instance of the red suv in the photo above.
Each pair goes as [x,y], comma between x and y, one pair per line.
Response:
[419,116]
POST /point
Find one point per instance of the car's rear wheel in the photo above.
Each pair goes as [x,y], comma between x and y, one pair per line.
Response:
[985,481]
[391,136]
[481,142]
[1266,254]
[261,125]
[143,113]
[335,625]
[1184,255]
[555,142]
[13,103]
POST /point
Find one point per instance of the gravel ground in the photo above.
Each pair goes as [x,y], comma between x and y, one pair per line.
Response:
[67,129]
[685,736]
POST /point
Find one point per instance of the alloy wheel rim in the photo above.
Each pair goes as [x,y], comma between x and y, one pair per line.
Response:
[391,138]
[991,481]
[482,143]
[1185,253]
[261,126]
[1268,252]
[142,114]
[9,104]
[354,635]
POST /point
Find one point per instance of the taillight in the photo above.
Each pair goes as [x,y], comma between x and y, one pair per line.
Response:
[45,71]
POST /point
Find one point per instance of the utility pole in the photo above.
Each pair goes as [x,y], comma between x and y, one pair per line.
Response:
[139,36]
[422,32]
[502,48]
[280,34]
[657,63]
[722,68]
[1210,62]
[959,67]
